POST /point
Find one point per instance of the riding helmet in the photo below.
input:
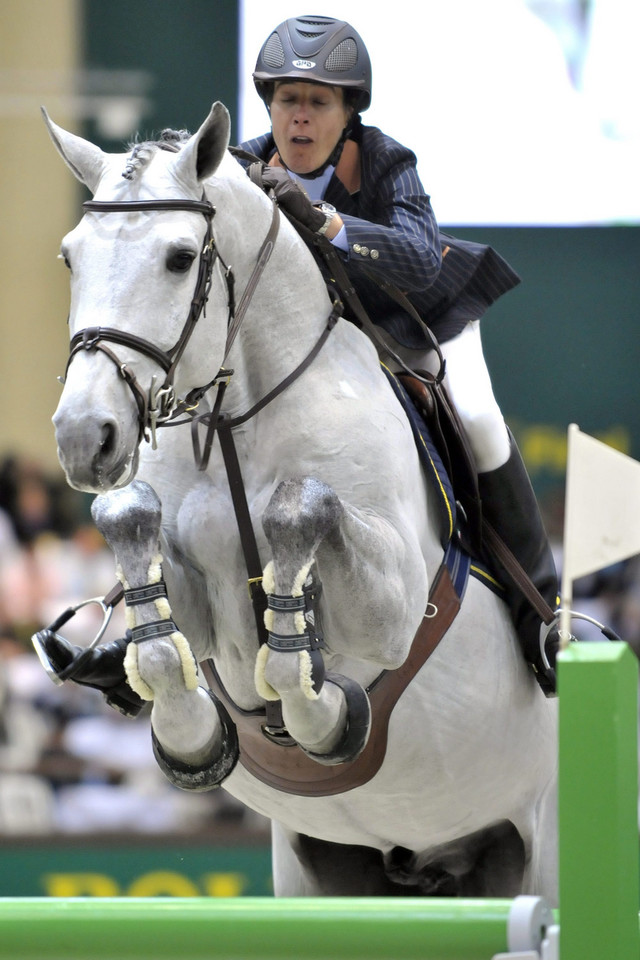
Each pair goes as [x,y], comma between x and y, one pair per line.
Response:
[319,49]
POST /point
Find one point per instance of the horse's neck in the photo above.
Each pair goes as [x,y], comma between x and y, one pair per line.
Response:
[289,307]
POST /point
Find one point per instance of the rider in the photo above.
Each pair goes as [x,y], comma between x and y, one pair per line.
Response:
[361,190]
[364,194]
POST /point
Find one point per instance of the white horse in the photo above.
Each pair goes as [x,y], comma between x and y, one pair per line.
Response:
[464,798]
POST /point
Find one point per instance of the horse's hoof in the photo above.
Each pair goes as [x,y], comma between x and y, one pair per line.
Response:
[208,775]
[356,732]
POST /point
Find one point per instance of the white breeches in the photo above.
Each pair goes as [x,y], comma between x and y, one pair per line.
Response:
[469,385]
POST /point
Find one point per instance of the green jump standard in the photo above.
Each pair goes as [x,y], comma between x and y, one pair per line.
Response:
[598,802]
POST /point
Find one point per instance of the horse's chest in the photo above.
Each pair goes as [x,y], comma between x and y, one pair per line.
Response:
[205,528]
[206,534]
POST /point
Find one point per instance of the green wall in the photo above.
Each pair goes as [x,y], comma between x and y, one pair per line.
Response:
[189,49]
[136,866]
[563,346]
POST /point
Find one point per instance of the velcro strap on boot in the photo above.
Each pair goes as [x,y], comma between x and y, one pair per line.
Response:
[153,630]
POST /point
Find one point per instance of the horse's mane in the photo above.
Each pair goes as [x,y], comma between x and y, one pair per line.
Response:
[141,153]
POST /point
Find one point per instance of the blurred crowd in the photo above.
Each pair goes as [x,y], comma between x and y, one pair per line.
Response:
[68,762]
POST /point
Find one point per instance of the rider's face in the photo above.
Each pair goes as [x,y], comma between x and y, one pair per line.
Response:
[307,121]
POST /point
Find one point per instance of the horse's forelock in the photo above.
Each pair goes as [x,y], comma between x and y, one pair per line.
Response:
[141,153]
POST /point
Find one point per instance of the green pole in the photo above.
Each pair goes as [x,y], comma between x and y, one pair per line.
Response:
[247,928]
[598,802]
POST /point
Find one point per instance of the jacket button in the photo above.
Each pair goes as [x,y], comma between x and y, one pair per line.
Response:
[356,248]
[374,254]
[364,251]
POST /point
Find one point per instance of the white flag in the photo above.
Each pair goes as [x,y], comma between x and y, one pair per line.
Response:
[602,506]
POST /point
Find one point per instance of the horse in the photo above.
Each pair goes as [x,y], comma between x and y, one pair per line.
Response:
[461,798]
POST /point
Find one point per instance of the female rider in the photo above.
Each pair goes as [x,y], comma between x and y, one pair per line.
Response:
[362,191]
[364,194]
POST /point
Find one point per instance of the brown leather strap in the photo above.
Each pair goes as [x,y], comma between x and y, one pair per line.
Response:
[264,255]
[245,528]
[250,552]
[288,768]
[334,316]
[498,548]
[115,595]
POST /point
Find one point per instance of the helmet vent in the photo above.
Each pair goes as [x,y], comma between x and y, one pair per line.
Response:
[343,57]
[311,22]
[273,52]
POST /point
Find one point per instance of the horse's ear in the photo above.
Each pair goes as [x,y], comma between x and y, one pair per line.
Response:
[202,154]
[84,159]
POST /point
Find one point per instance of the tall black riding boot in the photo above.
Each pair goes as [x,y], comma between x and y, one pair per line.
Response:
[510,506]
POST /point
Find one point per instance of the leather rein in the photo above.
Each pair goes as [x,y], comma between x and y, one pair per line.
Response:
[159,406]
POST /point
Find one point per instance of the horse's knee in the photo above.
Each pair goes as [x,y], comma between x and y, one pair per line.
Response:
[301,513]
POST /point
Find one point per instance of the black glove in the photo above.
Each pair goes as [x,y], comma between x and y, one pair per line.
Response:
[292,198]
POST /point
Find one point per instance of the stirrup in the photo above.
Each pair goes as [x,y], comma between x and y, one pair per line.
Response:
[546,629]
[119,694]
[59,676]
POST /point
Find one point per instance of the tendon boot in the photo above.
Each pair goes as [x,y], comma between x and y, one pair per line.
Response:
[509,505]
[100,667]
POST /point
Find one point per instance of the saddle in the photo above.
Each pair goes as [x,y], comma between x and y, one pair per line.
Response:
[449,438]
[429,394]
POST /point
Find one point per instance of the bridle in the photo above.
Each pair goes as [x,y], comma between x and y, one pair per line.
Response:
[159,405]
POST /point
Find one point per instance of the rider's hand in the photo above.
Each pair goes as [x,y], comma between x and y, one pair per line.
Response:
[292,198]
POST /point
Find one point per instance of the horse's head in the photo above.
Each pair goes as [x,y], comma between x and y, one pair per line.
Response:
[141,262]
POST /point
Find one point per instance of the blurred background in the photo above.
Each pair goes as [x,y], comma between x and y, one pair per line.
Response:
[523,114]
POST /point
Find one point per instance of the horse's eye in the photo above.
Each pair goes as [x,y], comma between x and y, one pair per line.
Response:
[179,261]
[64,257]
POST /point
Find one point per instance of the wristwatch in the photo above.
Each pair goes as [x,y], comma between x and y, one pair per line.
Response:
[329,212]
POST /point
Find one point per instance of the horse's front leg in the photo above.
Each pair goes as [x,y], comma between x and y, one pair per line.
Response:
[373,603]
[194,740]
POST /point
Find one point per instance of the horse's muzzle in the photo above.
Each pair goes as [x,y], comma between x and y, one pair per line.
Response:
[96,453]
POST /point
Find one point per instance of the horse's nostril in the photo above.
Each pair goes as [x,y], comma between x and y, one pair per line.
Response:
[107,439]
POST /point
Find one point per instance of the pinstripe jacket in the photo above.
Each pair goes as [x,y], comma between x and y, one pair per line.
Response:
[392,231]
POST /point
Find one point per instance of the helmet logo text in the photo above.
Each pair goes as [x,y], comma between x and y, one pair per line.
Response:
[303,64]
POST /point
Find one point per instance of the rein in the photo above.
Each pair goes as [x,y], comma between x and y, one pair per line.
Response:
[159,406]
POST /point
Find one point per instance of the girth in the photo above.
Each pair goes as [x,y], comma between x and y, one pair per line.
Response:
[285,766]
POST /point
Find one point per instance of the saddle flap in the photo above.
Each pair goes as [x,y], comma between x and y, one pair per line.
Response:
[432,403]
